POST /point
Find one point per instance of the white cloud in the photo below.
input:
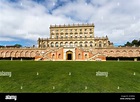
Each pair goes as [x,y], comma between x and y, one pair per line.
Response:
[29,20]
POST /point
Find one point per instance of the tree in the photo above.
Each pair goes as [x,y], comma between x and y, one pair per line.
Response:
[18,45]
[128,44]
[135,42]
[139,43]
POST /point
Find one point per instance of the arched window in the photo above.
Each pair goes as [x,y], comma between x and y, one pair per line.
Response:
[80,44]
[91,44]
[71,44]
[56,44]
[86,56]
[104,44]
[66,35]
[79,56]
[56,36]
[66,43]
[52,44]
[100,44]
[61,44]
[59,56]
[53,56]
[61,35]
[76,44]
[86,44]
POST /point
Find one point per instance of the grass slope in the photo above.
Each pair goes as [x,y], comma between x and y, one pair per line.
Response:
[54,77]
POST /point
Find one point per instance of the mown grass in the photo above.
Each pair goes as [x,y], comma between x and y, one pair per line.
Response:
[54,77]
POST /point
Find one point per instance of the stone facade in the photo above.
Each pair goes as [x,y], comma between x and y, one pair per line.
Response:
[72,42]
[76,35]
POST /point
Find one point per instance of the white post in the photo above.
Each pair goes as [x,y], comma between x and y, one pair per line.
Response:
[135,59]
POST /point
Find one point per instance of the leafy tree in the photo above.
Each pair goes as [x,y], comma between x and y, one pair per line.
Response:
[128,44]
[133,43]
[18,45]
[139,42]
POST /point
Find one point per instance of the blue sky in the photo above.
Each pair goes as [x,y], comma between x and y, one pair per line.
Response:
[24,21]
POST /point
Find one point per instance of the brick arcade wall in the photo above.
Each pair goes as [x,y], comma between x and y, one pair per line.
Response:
[80,53]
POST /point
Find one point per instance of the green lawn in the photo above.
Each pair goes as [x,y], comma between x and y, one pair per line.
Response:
[54,77]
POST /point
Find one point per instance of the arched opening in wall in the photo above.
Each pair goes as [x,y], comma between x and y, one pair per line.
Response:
[22,54]
[44,44]
[27,54]
[111,51]
[137,52]
[130,51]
[61,35]
[69,55]
[32,54]
[0,54]
[124,52]
[86,44]
[52,56]
[71,44]
[59,56]
[56,44]
[91,43]
[3,54]
[61,44]
[117,51]
[105,52]
[12,54]
[79,56]
[95,45]
[7,54]
[57,36]
[17,54]
[105,44]
[100,44]
[85,56]
[37,53]
[66,35]
[75,44]
[71,35]
[80,44]
[52,45]
[66,44]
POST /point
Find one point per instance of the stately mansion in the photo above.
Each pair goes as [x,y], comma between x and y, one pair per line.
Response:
[74,42]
